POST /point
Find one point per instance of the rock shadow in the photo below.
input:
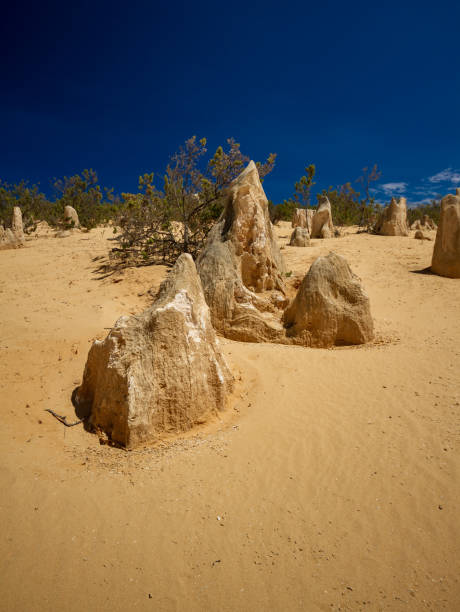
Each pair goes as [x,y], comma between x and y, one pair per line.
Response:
[428,271]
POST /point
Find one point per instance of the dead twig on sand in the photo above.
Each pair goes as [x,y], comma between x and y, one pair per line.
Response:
[63,419]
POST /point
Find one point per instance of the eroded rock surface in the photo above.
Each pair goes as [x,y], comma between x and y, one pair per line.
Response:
[419,235]
[302,218]
[71,217]
[241,267]
[16,224]
[299,218]
[13,238]
[393,219]
[330,308]
[310,214]
[425,223]
[321,224]
[159,372]
[446,252]
[300,237]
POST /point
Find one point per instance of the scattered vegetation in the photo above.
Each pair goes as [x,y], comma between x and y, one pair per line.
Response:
[160,224]
[348,207]
[173,213]
[93,205]
[299,199]
[34,205]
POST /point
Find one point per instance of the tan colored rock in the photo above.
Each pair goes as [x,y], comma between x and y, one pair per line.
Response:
[160,372]
[7,239]
[330,308]
[16,225]
[13,238]
[393,219]
[300,237]
[321,225]
[241,267]
[419,235]
[310,215]
[302,218]
[425,223]
[428,223]
[43,230]
[446,252]
[299,218]
[71,217]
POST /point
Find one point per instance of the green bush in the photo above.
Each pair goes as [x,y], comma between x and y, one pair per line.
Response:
[157,225]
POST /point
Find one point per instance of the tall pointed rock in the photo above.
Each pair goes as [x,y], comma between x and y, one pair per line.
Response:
[241,267]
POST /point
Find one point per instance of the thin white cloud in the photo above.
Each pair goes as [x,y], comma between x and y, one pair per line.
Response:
[389,188]
[424,201]
[423,191]
[446,176]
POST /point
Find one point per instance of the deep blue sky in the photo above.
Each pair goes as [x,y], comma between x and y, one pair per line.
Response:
[118,86]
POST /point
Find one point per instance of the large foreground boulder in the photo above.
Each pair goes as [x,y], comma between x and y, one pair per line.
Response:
[71,217]
[13,238]
[300,237]
[321,224]
[241,267]
[330,308]
[393,219]
[159,372]
[446,253]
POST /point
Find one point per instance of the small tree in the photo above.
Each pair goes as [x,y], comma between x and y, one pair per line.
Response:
[369,176]
[299,199]
[146,228]
[303,187]
[181,215]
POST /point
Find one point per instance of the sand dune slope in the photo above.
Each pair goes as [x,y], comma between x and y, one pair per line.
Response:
[330,483]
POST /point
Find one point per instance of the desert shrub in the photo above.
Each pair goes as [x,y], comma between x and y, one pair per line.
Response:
[34,205]
[157,225]
[299,199]
[283,211]
[347,206]
[146,230]
[94,205]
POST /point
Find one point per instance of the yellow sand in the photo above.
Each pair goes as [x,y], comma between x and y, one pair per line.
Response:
[331,483]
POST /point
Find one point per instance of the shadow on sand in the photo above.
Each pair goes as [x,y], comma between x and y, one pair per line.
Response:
[424,271]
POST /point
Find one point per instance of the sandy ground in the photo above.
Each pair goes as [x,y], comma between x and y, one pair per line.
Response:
[331,483]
